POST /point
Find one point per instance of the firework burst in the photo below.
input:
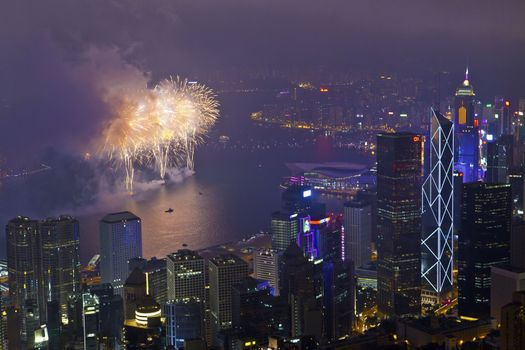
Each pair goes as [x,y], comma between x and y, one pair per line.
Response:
[161,128]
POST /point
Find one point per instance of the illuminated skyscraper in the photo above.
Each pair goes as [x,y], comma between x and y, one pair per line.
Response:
[266,268]
[467,132]
[399,223]
[357,232]
[90,321]
[224,272]
[484,235]
[284,229]
[186,275]
[437,241]
[120,240]
[25,284]
[60,259]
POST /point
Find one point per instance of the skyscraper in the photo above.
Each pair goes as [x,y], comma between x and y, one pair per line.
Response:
[266,268]
[284,229]
[467,132]
[486,214]
[357,232]
[437,241]
[224,272]
[183,321]
[24,268]
[60,259]
[499,159]
[90,321]
[186,275]
[120,240]
[399,223]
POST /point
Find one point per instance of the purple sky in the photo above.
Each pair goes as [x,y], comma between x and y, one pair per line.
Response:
[42,42]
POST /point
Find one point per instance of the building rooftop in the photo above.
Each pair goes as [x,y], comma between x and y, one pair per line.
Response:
[227,259]
[184,254]
[119,217]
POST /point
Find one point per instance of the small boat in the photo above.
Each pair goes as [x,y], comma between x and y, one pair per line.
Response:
[170,210]
[184,245]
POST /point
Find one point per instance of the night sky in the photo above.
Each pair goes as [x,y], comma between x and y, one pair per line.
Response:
[54,54]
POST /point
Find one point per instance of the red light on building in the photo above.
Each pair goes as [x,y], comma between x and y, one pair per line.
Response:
[416,138]
[461,173]
[476,123]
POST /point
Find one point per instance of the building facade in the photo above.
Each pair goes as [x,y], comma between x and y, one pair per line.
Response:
[399,162]
[120,241]
[437,241]
[484,235]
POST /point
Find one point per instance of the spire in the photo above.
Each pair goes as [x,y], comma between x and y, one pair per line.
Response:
[466,82]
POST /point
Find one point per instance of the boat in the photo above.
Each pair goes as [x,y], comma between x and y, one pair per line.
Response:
[170,210]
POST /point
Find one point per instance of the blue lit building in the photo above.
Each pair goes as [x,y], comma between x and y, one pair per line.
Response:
[120,241]
[467,132]
[183,321]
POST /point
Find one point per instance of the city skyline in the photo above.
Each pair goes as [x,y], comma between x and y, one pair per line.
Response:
[262,175]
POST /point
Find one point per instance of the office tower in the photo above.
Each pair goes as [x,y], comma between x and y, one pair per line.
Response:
[296,199]
[437,241]
[497,164]
[328,237]
[186,275]
[256,313]
[399,223]
[464,104]
[120,240]
[516,179]
[467,132]
[111,313]
[224,271]
[134,292]
[24,268]
[284,229]
[302,286]
[338,298]
[484,235]
[513,323]
[266,268]
[60,259]
[157,276]
[369,195]
[357,232]
[90,322]
[183,321]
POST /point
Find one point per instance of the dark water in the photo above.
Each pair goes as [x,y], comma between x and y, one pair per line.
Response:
[231,195]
